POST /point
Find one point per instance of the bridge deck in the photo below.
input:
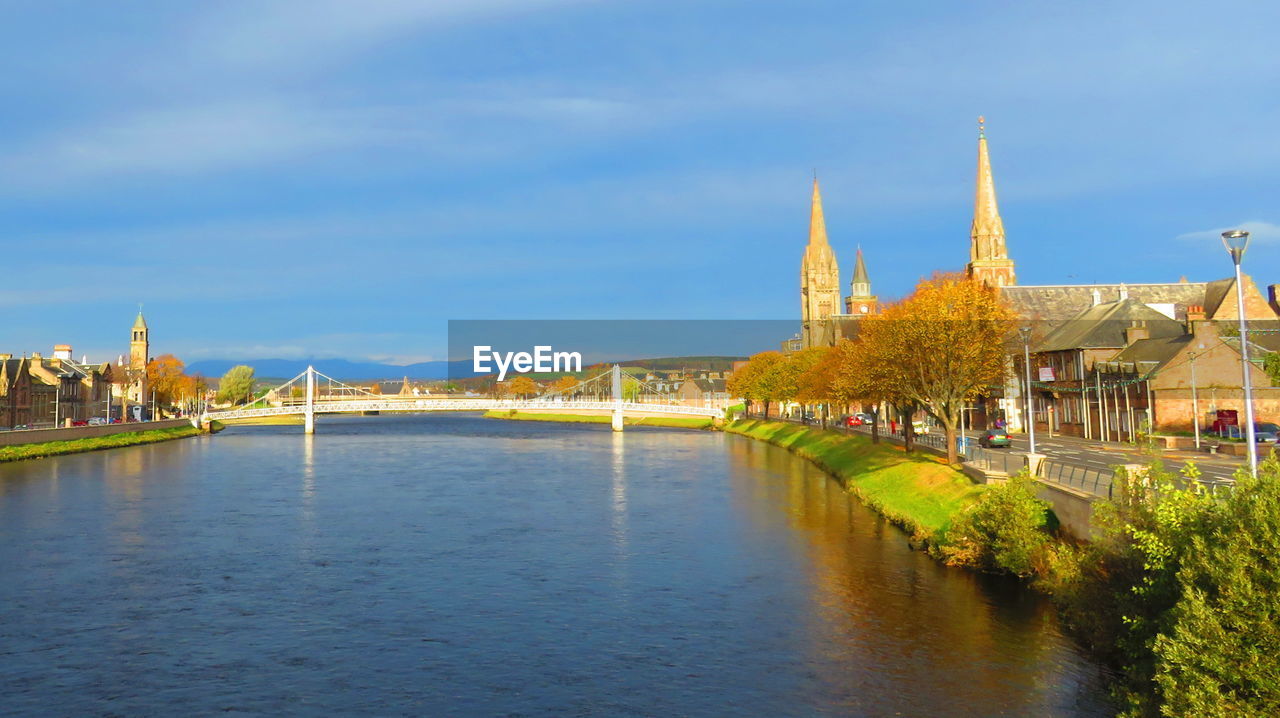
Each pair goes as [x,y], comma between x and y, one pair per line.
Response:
[425,405]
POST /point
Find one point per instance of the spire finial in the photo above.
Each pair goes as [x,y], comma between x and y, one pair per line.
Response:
[982,130]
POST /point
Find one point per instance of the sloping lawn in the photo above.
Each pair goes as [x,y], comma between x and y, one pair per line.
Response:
[916,491]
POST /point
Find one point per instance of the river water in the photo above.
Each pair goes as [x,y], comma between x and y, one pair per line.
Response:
[453,565]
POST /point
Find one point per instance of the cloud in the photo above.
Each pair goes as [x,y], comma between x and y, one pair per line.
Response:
[316,33]
[1259,231]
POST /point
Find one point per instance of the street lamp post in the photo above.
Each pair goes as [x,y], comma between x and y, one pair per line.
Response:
[1237,241]
[1195,401]
[1026,361]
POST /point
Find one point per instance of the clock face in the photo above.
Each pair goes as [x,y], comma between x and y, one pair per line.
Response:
[863,309]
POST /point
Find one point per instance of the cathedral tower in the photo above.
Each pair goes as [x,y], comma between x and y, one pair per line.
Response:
[988,257]
[860,301]
[819,278]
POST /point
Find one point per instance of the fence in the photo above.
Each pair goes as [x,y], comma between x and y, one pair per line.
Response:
[1005,462]
[1088,480]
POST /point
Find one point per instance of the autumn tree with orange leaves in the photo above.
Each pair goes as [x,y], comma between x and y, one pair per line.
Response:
[565,384]
[939,348]
[523,387]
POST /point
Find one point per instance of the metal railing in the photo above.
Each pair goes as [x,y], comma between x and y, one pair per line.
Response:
[1086,479]
[991,461]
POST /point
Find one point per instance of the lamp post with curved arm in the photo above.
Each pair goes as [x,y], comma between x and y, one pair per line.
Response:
[1237,241]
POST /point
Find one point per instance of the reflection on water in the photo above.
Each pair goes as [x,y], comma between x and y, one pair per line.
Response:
[454,565]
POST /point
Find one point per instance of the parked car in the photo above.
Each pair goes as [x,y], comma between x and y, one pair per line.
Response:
[80,422]
[994,437]
[97,420]
[1266,431]
[864,418]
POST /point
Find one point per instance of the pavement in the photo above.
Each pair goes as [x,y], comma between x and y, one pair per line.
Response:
[1105,455]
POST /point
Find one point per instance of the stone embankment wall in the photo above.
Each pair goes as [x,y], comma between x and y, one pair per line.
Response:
[35,436]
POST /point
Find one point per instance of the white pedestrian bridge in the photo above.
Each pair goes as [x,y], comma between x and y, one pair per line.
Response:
[590,398]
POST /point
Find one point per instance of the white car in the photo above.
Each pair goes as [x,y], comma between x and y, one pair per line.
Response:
[97,421]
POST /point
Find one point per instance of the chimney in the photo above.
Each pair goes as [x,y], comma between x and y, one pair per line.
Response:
[1272,299]
[62,351]
[5,357]
[1124,292]
[1136,331]
[1097,297]
[1195,315]
[36,355]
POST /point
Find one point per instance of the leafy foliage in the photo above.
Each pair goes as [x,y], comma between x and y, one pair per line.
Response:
[236,386]
[757,380]
[1004,532]
[522,386]
[1219,651]
[937,349]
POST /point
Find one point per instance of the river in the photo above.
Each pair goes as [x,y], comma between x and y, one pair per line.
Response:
[454,565]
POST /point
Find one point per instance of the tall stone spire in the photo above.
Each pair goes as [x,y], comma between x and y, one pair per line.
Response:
[817,224]
[819,278]
[988,256]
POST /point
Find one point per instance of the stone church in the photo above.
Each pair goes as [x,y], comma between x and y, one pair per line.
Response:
[821,320]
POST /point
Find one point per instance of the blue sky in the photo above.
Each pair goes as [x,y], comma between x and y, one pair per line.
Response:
[338,178]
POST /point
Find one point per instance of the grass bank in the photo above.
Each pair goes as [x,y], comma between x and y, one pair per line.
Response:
[93,443]
[917,492]
[669,421]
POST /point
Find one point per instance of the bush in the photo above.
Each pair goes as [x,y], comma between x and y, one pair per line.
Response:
[1219,652]
[1004,532]
[1117,592]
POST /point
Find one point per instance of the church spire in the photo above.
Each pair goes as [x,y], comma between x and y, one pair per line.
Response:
[861,284]
[988,256]
[819,279]
[860,301]
[817,225]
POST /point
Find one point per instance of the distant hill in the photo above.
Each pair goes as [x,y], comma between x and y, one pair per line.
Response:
[336,368]
[347,370]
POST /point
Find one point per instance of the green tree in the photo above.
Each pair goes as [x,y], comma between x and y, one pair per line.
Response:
[1271,364]
[236,386]
[788,375]
[1117,591]
[753,382]
[1219,653]
[1004,532]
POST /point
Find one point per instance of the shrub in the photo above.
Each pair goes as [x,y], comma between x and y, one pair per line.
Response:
[1004,532]
[1219,651]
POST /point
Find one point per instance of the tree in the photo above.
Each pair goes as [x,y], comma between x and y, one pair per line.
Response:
[753,383]
[166,378]
[565,385]
[236,386]
[1271,364]
[523,387]
[790,378]
[938,348]
[1219,652]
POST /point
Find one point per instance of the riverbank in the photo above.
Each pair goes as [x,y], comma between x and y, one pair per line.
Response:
[46,449]
[667,421]
[917,492]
